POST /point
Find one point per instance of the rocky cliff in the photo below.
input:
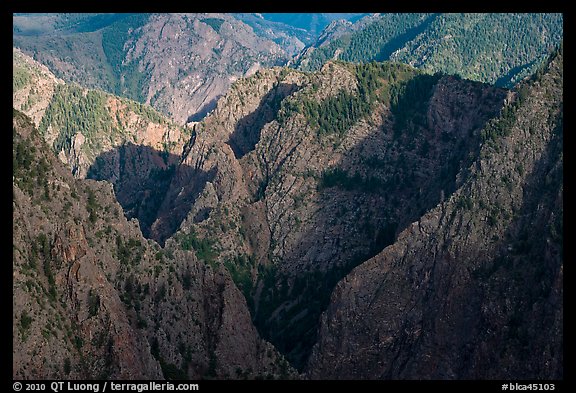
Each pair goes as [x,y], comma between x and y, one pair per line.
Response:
[473,289]
[370,221]
[94,299]
[289,197]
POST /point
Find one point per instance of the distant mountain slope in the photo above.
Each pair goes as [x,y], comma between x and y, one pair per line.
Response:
[178,63]
[362,41]
[38,24]
[291,39]
[492,48]
[91,58]
[313,23]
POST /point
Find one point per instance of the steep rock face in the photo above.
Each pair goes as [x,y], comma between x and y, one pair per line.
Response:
[287,197]
[69,321]
[94,299]
[472,289]
[291,182]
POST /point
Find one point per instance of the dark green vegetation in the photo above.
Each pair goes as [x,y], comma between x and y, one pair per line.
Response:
[25,322]
[337,177]
[377,82]
[202,247]
[241,269]
[31,175]
[368,44]
[71,111]
[129,252]
[501,127]
[493,48]
[289,306]
[214,23]
[93,46]
[127,80]
[169,370]
[408,103]
[20,78]
[75,110]
[297,303]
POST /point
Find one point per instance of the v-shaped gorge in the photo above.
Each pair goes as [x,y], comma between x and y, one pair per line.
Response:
[371,221]
[296,178]
[144,179]
[159,189]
